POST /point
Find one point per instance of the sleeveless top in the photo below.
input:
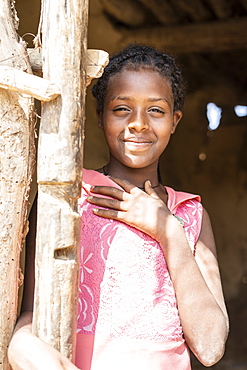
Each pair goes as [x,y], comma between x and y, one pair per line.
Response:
[127,315]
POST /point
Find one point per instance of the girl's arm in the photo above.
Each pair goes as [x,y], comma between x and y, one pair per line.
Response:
[196,280]
[26,351]
[198,290]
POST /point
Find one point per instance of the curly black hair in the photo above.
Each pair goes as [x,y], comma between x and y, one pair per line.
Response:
[136,57]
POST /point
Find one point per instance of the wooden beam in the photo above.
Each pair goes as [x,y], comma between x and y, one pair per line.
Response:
[39,88]
[17,158]
[163,11]
[195,10]
[64,46]
[209,37]
[96,60]
[222,9]
[128,12]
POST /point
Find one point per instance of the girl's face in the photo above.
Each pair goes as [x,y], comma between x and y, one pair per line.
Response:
[138,117]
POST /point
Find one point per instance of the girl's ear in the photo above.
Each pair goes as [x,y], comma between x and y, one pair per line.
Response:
[176,118]
[100,120]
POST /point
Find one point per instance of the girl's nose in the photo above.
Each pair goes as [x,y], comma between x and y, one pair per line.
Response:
[138,122]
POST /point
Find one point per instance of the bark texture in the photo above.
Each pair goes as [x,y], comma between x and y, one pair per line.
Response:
[64,46]
[17,154]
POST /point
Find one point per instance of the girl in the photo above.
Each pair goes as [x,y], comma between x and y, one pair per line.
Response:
[149,281]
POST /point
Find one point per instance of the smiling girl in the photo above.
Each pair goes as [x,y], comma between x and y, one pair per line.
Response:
[150,287]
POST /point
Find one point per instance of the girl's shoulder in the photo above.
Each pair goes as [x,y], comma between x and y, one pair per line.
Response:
[188,207]
[177,198]
[92,177]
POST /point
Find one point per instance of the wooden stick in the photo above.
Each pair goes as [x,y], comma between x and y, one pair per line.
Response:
[95,62]
[17,153]
[64,35]
[39,88]
[25,83]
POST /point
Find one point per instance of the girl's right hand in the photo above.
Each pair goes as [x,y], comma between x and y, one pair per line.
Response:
[143,210]
[28,352]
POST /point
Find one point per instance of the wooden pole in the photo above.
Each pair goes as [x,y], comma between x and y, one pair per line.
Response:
[64,46]
[17,153]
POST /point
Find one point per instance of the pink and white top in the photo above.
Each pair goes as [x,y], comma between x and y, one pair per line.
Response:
[128,316]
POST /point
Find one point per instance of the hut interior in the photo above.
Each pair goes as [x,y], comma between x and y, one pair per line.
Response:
[208,154]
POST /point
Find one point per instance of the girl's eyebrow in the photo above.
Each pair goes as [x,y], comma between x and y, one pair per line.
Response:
[132,99]
[121,98]
[157,99]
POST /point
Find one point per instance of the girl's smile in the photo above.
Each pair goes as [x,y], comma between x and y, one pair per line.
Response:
[137,142]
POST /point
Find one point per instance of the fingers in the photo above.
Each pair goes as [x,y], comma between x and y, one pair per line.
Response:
[129,188]
[109,191]
[110,213]
[106,203]
[126,185]
[118,196]
[149,190]
[119,202]
[113,204]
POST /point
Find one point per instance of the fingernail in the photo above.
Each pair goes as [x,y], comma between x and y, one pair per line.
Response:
[89,197]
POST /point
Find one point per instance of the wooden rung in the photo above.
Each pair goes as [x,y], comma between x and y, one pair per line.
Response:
[96,62]
[40,88]
[26,83]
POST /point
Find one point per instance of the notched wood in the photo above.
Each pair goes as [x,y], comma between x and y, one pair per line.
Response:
[67,253]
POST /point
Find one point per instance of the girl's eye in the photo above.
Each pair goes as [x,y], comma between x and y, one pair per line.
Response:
[121,111]
[156,111]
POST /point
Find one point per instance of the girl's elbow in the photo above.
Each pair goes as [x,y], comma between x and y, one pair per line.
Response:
[210,355]
[211,360]
[210,347]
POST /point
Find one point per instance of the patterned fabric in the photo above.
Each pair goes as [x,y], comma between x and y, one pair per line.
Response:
[125,290]
[191,212]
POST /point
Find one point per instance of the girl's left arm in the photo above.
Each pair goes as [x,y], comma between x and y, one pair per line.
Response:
[199,293]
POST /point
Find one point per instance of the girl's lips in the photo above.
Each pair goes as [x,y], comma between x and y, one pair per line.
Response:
[137,141]
[140,144]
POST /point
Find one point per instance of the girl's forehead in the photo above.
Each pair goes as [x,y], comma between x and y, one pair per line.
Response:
[144,80]
[143,72]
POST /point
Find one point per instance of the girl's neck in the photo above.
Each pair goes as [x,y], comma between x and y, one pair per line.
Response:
[136,176]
